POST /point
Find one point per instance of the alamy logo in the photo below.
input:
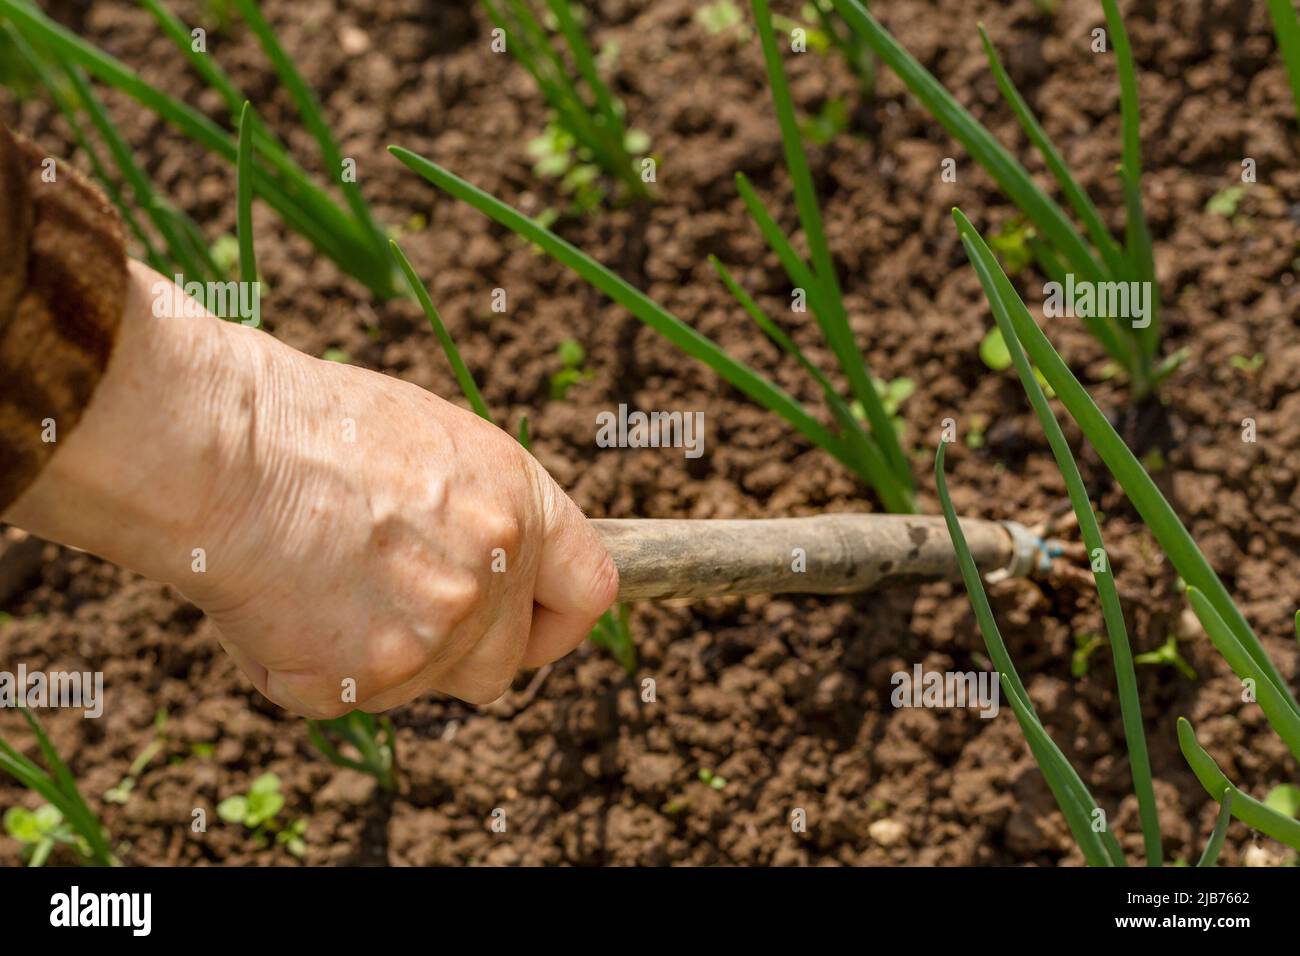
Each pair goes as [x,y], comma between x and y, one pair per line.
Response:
[227,300]
[941,689]
[74,908]
[1098,300]
[651,430]
[68,689]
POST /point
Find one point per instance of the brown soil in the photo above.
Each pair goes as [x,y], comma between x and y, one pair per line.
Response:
[787,698]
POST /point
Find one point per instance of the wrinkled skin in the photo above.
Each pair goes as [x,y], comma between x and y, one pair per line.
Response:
[341,528]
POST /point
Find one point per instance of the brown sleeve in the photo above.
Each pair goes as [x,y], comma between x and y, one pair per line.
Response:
[63,284]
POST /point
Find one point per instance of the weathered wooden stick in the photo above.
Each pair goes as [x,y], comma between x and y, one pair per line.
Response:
[839,553]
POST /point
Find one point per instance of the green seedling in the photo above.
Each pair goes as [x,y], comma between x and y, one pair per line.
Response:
[258,810]
[293,838]
[588,132]
[336,355]
[1225,202]
[122,792]
[997,357]
[1058,245]
[40,831]
[371,739]
[611,631]
[225,255]
[57,787]
[1167,655]
[1014,245]
[994,352]
[711,779]
[1286,26]
[572,359]
[831,120]
[347,234]
[721,16]
[1210,600]
[1249,365]
[557,155]
[1084,646]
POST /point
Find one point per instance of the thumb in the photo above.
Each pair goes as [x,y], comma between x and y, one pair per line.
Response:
[576,578]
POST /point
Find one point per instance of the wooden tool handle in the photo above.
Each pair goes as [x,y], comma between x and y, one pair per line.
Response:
[840,553]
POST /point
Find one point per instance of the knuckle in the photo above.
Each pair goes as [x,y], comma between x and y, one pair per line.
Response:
[502,529]
[460,598]
[489,689]
[396,658]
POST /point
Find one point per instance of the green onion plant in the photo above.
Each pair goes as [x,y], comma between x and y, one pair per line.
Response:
[1060,248]
[877,453]
[370,736]
[1209,599]
[588,132]
[347,234]
[864,434]
[753,384]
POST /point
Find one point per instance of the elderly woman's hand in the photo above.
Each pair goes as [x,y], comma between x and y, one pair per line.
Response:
[357,540]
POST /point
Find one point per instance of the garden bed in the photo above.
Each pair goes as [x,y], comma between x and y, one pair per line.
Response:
[786,700]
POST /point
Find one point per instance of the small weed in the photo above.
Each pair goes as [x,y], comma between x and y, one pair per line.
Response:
[831,120]
[1225,202]
[40,830]
[258,811]
[994,352]
[1167,655]
[1084,645]
[711,779]
[721,16]
[1014,245]
[59,788]
[1249,365]
[572,359]
[122,792]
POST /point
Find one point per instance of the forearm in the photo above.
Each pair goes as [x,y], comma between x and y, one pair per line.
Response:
[150,465]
